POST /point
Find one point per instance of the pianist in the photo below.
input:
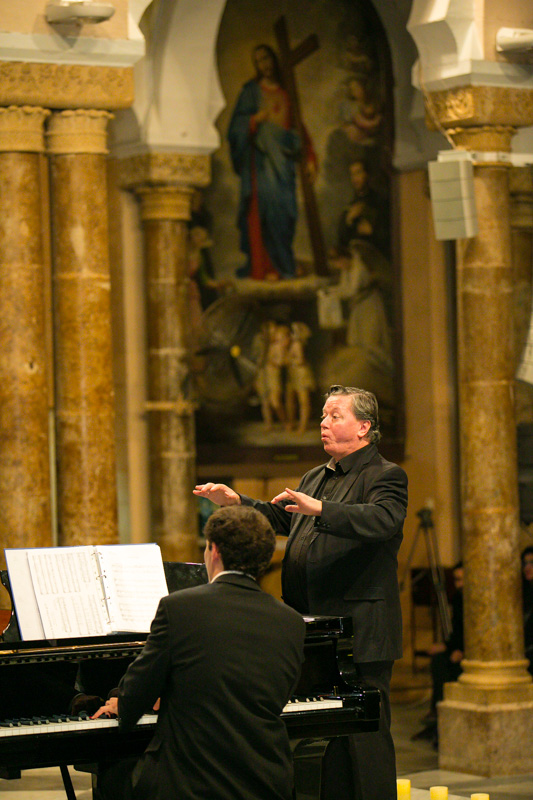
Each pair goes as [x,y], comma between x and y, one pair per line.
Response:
[224,659]
[345,524]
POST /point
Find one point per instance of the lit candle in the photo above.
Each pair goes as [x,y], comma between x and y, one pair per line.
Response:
[438,793]
[479,796]
[403,786]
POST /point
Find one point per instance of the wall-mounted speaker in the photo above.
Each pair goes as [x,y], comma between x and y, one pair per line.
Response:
[451,186]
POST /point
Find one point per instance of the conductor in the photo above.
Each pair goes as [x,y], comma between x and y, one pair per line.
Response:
[344,524]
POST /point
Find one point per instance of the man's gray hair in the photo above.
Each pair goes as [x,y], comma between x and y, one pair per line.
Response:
[364,407]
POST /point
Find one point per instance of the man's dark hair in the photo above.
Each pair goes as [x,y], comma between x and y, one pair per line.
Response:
[244,538]
[364,407]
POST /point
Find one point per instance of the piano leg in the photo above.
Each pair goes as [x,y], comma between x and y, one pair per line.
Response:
[67,782]
[307,756]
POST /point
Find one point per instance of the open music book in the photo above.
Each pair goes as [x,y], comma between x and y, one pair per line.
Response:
[69,592]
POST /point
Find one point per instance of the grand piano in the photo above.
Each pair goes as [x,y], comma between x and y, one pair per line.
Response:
[48,690]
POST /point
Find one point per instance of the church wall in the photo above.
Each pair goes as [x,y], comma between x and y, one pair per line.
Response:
[29,18]
[496,15]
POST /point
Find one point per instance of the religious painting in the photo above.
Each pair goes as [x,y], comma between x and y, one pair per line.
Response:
[292,267]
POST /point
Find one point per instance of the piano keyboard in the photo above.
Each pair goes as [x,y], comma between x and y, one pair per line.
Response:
[24,727]
[313,704]
[69,725]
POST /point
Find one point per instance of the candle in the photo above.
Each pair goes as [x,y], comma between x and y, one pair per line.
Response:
[403,786]
[479,796]
[438,793]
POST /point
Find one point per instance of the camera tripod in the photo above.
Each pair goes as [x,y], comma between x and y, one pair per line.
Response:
[427,528]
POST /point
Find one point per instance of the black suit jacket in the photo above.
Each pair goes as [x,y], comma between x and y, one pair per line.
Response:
[224,658]
[352,562]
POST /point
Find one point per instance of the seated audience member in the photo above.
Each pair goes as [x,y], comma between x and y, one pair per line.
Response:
[527,598]
[446,658]
[220,663]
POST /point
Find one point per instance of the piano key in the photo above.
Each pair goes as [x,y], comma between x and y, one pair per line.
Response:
[70,726]
[313,704]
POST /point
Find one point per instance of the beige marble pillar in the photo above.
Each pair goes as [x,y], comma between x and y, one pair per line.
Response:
[164,184]
[25,518]
[493,698]
[85,436]
[164,214]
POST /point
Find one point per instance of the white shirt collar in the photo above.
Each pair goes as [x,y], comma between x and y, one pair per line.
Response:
[232,572]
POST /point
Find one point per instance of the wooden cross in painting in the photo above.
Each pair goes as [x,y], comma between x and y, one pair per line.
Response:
[289,58]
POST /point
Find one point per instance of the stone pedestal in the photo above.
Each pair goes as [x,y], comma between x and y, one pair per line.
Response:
[85,436]
[25,519]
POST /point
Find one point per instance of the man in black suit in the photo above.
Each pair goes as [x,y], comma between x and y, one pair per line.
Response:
[224,659]
[345,527]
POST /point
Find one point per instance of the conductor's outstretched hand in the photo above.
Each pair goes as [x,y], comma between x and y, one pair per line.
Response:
[218,493]
[299,503]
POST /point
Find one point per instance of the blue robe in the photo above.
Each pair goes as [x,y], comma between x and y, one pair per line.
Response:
[275,154]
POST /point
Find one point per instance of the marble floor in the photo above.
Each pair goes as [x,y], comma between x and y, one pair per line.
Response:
[416,760]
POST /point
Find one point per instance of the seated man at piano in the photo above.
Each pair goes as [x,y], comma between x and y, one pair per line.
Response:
[220,663]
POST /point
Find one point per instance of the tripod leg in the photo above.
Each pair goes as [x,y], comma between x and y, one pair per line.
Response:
[437,574]
[410,558]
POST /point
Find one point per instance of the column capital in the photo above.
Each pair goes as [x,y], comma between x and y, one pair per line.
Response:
[165,169]
[22,129]
[165,202]
[65,85]
[79,131]
[479,106]
[485,138]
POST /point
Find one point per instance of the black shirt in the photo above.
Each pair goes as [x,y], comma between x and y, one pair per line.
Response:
[294,580]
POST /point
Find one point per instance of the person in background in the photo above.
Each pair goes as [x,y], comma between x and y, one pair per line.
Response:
[527,599]
[446,658]
[220,663]
[345,527]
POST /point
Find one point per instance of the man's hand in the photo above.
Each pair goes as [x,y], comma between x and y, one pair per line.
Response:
[109,709]
[456,656]
[218,493]
[300,503]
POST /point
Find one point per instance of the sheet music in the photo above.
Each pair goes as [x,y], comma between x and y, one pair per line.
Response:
[26,608]
[68,592]
[134,579]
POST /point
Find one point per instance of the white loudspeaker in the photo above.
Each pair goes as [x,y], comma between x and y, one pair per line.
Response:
[451,186]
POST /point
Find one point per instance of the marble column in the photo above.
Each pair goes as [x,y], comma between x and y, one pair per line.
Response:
[85,435]
[25,502]
[164,214]
[493,698]
[164,185]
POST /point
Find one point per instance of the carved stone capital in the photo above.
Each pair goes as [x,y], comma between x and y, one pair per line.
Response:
[65,85]
[165,202]
[167,169]
[488,138]
[80,131]
[479,106]
[22,129]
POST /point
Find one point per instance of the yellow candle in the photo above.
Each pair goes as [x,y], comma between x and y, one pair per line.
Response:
[403,786]
[438,793]
[479,796]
